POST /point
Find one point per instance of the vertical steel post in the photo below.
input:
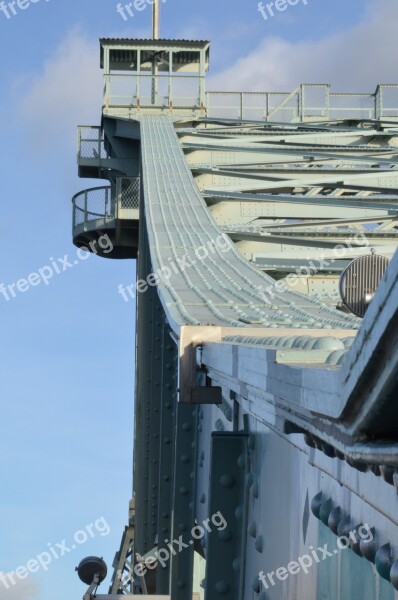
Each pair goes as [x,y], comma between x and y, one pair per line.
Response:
[171,80]
[138,87]
[118,196]
[185,464]
[328,102]
[302,106]
[85,209]
[202,75]
[79,143]
[155,36]
[228,496]
[107,71]
[378,102]
[166,455]
[106,204]
[99,143]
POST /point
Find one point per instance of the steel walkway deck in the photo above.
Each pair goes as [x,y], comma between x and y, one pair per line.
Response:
[223,288]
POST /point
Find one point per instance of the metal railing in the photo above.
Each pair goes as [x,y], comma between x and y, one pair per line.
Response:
[308,101]
[100,207]
[160,91]
[91,143]
[128,196]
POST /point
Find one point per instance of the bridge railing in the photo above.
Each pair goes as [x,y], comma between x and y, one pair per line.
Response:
[100,207]
[307,102]
[387,100]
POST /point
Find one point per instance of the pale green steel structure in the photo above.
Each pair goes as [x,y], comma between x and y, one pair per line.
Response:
[223,198]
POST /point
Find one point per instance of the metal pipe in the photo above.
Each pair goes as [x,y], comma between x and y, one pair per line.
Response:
[91,590]
[155,20]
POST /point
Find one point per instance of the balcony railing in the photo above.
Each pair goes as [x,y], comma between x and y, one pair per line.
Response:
[100,207]
[94,155]
[91,143]
[154,92]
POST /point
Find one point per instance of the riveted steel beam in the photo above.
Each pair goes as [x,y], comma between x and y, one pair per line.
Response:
[166,454]
[184,502]
[227,492]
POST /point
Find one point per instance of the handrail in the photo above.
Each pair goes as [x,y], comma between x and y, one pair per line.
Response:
[171,90]
[285,101]
[324,105]
[118,92]
[100,187]
[95,143]
[106,203]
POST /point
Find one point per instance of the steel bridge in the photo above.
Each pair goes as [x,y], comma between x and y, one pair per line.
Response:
[265,411]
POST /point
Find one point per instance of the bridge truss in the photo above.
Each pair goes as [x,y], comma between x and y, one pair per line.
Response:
[259,397]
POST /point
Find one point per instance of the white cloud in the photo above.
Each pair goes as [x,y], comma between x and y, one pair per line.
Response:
[354,60]
[23,590]
[67,91]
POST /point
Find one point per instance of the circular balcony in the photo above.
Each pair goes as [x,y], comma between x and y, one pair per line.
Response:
[106,219]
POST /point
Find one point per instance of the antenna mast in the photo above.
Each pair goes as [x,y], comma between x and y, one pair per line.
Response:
[155,20]
[155,36]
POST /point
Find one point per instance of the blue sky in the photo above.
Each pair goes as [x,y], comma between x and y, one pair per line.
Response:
[67,349]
